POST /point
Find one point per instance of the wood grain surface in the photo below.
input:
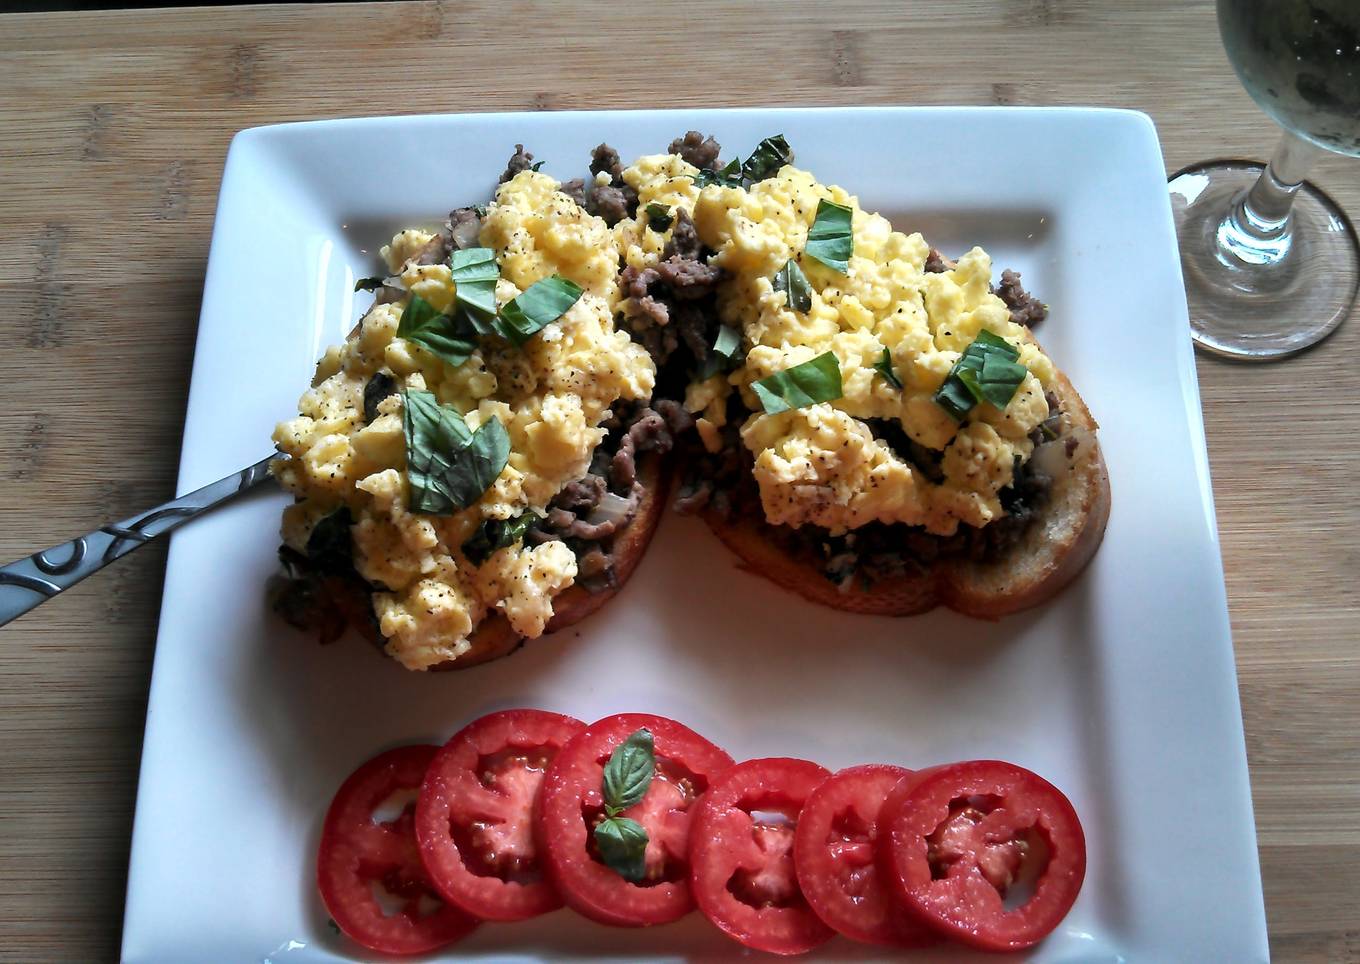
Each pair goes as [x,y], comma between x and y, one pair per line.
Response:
[113,131]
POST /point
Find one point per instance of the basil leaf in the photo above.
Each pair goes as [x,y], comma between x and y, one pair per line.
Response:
[541,304]
[480,209]
[729,175]
[829,238]
[451,339]
[818,380]
[623,847]
[659,217]
[474,272]
[494,534]
[380,386]
[769,156]
[329,546]
[885,368]
[988,370]
[791,279]
[628,773]
[536,165]
[368,284]
[723,353]
[449,466]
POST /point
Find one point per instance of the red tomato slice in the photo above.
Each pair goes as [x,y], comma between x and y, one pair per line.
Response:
[956,841]
[474,818]
[833,853]
[571,803]
[359,853]
[742,869]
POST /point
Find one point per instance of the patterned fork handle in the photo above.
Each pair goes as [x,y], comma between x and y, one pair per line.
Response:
[39,577]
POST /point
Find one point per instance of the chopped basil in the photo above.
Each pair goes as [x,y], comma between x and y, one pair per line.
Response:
[474,274]
[380,386]
[536,165]
[452,339]
[884,367]
[629,772]
[494,534]
[622,842]
[723,353]
[790,279]
[541,304]
[448,465]
[329,546]
[368,284]
[829,238]
[987,371]
[769,156]
[729,175]
[480,209]
[659,217]
[818,380]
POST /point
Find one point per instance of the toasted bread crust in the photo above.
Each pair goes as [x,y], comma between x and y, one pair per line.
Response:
[495,638]
[1055,548]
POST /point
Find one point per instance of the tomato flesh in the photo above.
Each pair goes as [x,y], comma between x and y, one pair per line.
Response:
[834,853]
[359,853]
[742,863]
[571,804]
[957,838]
[474,818]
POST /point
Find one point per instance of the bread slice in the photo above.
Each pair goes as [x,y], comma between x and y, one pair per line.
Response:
[494,636]
[1053,550]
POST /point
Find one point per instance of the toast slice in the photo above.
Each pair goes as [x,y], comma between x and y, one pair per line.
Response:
[1054,548]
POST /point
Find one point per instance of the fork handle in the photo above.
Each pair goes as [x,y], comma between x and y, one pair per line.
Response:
[37,578]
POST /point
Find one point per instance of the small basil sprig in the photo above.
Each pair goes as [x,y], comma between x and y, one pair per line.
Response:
[829,239]
[368,284]
[448,465]
[769,156]
[723,354]
[494,534]
[622,841]
[659,217]
[474,273]
[542,303]
[791,279]
[452,339]
[379,387]
[729,175]
[818,380]
[884,367]
[987,371]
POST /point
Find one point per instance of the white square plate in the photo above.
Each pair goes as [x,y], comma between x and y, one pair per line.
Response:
[1122,692]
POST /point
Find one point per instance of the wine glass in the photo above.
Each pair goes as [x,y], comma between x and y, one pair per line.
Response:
[1271,263]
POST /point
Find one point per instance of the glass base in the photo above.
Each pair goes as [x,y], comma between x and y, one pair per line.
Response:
[1253,299]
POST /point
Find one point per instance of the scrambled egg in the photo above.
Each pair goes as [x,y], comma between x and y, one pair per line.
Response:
[821,464]
[551,395]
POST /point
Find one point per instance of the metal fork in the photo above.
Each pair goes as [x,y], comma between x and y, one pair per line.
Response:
[37,578]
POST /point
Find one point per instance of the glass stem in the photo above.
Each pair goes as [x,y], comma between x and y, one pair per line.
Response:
[1258,228]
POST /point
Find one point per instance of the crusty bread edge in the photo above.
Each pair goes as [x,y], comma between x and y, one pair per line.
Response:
[495,638]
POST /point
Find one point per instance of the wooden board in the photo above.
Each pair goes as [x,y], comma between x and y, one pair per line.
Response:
[115,129]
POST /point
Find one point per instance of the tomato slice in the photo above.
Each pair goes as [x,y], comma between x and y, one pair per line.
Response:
[960,842]
[833,853]
[360,854]
[474,817]
[742,870]
[571,803]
